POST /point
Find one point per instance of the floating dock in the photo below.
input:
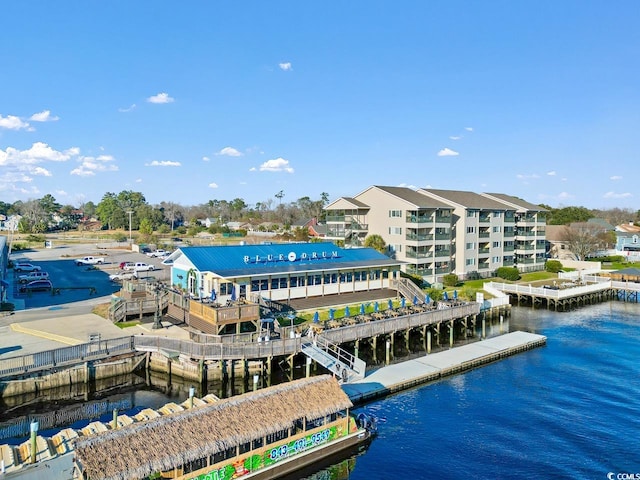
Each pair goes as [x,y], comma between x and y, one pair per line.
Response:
[401,376]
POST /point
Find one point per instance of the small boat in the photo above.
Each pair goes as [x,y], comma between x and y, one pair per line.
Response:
[266,434]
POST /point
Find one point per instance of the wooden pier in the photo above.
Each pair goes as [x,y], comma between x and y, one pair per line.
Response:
[566,295]
[404,375]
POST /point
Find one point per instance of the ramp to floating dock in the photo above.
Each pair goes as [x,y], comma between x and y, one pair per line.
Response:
[397,377]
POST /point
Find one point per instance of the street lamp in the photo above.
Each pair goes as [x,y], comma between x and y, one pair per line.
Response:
[156,317]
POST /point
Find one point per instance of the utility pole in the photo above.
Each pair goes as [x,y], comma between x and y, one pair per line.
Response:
[130,212]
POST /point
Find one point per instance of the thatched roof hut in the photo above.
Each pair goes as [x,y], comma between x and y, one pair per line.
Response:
[167,442]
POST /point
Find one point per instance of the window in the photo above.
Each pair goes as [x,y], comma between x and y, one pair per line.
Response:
[497,214]
[470,261]
[275,283]
[277,436]
[496,229]
[471,229]
[472,213]
[264,284]
[225,288]
[255,285]
[395,213]
[470,246]
[495,259]
[294,281]
[496,244]
[395,230]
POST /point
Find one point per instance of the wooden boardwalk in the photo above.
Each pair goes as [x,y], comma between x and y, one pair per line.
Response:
[404,375]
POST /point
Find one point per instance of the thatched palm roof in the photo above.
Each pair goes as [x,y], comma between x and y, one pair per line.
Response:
[164,443]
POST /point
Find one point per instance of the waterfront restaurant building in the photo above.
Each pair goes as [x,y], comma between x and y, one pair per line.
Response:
[279,272]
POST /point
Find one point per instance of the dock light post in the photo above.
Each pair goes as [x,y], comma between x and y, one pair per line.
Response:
[34,440]
[192,392]
[115,419]
[156,316]
[255,382]
[388,345]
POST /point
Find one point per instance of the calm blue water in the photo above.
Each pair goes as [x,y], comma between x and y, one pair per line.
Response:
[569,410]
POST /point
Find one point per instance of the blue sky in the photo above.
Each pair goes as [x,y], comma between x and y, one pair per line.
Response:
[193,101]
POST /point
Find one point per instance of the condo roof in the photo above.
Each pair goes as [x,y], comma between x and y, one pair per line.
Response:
[415,197]
[469,199]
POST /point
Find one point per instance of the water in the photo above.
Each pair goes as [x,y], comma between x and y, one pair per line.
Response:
[568,410]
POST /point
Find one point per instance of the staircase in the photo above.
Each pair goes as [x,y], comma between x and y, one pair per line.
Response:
[345,366]
[408,289]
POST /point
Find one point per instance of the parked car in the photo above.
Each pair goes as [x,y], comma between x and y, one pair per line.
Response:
[157,253]
[26,267]
[36,286]
[89,261]
[118,277]
[140,267]
[30,277]
[127,265]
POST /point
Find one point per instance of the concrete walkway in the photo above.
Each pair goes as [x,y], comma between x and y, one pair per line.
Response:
[401,376]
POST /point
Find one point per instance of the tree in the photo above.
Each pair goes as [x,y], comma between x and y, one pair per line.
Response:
[582,239]
[279,196]
[567,215]
[376,242]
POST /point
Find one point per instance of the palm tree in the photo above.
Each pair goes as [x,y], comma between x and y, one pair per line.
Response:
[279,196]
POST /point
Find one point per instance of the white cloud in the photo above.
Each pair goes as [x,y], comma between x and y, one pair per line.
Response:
[160,98]
[286,66]
[41,171]
[229,152]
[61,193]
[469,129]
[205,159]
[564,196]
[44,116]
[447,152]
[132,106]
[38,153]
[163,163]
[213,185]
[455,137]
[552,173]
[138,180]
[253,169]
[615,177]
[276,165]
[527,177]
[89,166]
[12,122]
[617,195]
[408,185]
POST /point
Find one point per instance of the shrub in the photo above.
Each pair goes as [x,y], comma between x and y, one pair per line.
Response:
[417,279]
[473,276]
[435,294]
[450,280]
[508,273]
[553,266]
[119,237]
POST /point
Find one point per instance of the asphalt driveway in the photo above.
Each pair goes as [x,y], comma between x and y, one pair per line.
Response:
[77,283]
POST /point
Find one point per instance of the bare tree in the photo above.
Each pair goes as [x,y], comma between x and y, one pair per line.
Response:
[583,239]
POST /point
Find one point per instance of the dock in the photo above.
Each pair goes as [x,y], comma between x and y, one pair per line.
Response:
[401,376]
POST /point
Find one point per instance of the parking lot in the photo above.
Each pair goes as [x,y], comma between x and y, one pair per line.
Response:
[76,283]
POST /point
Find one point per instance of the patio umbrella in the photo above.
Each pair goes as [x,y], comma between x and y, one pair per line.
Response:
[455,294]
[427,299]
[415,299]
[390,304]
[331,313]
[213,295]
[346,311]
[376,307]
[316,317]
[445,296]
[233,293]
[362,309]
[403,302]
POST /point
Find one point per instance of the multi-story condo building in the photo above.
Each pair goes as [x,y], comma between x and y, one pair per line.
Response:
[530,240]
[435,232]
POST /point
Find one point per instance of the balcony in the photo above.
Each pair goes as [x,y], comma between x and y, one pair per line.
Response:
[484,251]
[525,247]
[442,236]
[484,219]
[442,253]
[526,261]
[508,248]
[410,254]
[484,234]
[334,219]
[508,263]
[508,234]
[442,270]
[424,272]
[417,237]
[419,218]
[526,233]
